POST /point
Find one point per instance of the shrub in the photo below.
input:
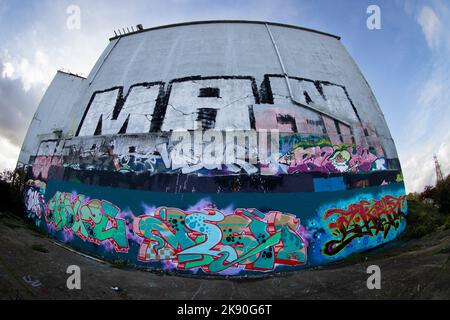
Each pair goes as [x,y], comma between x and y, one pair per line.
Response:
[11,187]
[443,195]
[440,195]
[447,223]
[422,219]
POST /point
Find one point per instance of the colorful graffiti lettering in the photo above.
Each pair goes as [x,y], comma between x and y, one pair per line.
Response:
[210,240]
[213,237]
[330,159]
[92,220]
[225,144]
[294,153]
[366,218]
[34,200]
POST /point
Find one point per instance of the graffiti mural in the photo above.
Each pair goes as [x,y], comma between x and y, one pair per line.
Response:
[214,102]
[210,240]
[91,220]
[365,218]
[302,154]
[153,109]
[276,186]
[220,234]
[34,200]
[293,154]
[331,159]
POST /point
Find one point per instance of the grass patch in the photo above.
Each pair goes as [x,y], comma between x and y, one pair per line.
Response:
[39,248]
[447,223]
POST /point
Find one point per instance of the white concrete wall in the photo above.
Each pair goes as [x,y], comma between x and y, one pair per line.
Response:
[232,106]
[209,50]
[53,113]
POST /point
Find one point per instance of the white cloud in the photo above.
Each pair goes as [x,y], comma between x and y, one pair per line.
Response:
[427,128]
[431,91]
[9,154]
[418,164]
[36,72]
[427,122]
[431,26]
[16,104]
[443,155]
[8,70]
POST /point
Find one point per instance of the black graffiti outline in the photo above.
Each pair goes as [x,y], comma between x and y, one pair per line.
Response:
[263,94]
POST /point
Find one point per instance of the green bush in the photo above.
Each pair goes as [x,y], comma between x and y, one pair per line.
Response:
[447,223]
[440,195]
[443,195]
[11,188]
[422,219]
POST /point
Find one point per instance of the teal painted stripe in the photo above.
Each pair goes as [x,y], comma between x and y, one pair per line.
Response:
[299,203]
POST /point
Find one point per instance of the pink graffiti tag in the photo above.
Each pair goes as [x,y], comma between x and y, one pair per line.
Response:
[330,159]
[42,165]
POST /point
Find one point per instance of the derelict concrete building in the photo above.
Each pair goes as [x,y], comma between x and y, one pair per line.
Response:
[115,169]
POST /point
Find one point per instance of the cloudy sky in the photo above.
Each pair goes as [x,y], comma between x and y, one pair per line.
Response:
[407,62]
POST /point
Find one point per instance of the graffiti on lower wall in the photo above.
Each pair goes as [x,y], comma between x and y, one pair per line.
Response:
[229,239]
[210,240]
[91,220]
[357,224]
[365,218]
[34,200]
[206,239]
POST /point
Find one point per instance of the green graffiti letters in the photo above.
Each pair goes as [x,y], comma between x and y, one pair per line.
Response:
[91,220]
[210,240]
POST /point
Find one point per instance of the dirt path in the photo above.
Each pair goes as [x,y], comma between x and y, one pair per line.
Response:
[419,269]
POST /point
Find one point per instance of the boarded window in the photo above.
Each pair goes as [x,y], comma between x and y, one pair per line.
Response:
[209,93]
